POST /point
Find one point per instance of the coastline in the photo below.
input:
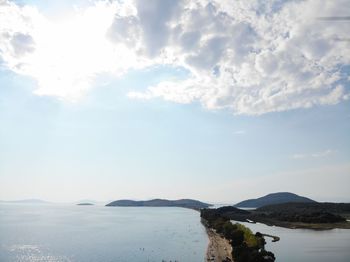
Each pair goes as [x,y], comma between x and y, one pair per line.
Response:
[299,225]
[218,248]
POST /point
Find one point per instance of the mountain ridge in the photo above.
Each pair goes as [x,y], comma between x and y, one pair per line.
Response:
[26,201]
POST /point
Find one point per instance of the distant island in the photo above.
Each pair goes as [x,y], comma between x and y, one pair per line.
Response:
[26,201]
[85,204]
[186,203]
[274,198]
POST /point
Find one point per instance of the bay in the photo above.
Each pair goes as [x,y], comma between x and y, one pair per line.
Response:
[55,233]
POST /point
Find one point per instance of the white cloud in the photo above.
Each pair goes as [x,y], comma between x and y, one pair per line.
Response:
[314,155]
[249,57]
[239,132]
[63,56]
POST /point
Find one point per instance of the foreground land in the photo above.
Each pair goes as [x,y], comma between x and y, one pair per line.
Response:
[219,248]
[245,246]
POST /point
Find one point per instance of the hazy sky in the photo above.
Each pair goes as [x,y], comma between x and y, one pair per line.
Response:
[214,100]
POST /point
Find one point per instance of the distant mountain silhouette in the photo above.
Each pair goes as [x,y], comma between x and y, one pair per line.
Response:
[27,201]
[272,199]
[188,203]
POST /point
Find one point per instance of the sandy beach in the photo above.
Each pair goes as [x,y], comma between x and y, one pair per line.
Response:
[219,248]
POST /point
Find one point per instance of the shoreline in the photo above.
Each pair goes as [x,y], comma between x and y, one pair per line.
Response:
[300,225]
[291,225]
[218,248]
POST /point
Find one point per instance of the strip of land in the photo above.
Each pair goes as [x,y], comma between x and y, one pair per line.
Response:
[219,248]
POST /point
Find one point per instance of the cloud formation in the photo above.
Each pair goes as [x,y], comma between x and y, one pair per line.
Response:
[248,57]
[63,55]
[314,155]
[255,58]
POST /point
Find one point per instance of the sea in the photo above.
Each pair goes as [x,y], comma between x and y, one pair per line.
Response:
[62,233]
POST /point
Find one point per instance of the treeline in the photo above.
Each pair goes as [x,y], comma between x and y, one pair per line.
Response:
[335,208]
[306,212]
[315,217]
[246,246]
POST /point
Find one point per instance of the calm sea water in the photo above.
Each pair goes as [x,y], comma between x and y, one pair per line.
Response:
[54,233]
[305,244]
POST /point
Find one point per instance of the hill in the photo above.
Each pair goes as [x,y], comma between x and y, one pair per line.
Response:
[188,203]
[274,198]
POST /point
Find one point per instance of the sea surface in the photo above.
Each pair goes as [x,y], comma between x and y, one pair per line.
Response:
[55,233]
[306,245]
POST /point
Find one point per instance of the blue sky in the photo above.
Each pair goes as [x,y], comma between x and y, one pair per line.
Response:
[155,119]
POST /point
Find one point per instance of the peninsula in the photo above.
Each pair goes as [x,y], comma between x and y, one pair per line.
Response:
[235,240]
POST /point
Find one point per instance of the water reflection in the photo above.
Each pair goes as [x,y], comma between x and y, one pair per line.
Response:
[305,244]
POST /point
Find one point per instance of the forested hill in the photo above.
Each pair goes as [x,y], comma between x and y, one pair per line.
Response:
[274,198]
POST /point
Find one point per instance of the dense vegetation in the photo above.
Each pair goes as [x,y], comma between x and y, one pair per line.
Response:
[274,198]
[246,246]
[304,215]
[315,217]
[336,208]
[187,203]
[307,212]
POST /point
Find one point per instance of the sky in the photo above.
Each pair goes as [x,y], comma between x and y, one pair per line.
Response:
[214,100]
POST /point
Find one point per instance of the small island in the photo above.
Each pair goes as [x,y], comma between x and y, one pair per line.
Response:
[85,204]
